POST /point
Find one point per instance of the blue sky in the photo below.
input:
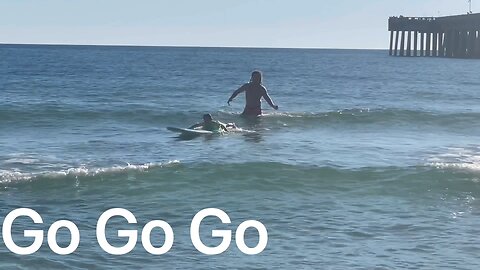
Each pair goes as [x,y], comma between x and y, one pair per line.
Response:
[238,23]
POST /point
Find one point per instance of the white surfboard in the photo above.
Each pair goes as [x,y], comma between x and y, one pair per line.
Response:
[187,131]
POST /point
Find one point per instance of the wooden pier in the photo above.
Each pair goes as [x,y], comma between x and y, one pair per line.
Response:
[451,36]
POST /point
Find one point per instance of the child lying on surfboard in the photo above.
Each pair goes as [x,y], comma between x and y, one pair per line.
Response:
[212,125]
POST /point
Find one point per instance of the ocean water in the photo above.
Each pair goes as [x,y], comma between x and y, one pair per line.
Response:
[371,162]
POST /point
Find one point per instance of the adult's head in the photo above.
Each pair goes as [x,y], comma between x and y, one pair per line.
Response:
[256,77]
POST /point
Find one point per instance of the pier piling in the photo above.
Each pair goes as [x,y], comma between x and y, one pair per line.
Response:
[402,44]
[391,43]
[428,44]
[415,43]
[422,44]
[409,44]
[396,42]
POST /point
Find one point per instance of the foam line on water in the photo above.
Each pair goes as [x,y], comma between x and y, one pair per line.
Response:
[8,176]
[458,158]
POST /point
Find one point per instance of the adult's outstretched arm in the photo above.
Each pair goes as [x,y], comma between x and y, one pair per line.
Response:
[238,91]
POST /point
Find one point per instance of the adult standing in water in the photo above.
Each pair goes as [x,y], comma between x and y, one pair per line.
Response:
[254,91]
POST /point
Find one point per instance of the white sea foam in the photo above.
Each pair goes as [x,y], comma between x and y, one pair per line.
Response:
[11,176]
[457,158]
[459,166]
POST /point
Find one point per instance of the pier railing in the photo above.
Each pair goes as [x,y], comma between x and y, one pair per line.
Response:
[451,36]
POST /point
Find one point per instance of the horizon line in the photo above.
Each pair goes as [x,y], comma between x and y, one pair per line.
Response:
[188,46]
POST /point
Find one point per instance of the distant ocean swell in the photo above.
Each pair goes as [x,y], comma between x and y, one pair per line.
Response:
[132,114]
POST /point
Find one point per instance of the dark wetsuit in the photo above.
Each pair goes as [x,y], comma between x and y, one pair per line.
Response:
[253,96]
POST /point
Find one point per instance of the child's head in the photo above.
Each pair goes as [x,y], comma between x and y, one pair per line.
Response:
[256,77]
[207,117]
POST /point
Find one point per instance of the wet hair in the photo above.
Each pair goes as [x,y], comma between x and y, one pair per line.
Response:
[256,77]
[208,116]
